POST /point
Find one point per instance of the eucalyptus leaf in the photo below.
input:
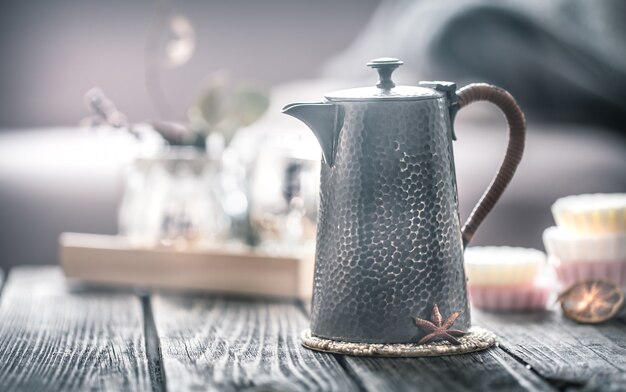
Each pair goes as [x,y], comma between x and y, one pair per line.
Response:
[248,105]
[212,98]
[225,108]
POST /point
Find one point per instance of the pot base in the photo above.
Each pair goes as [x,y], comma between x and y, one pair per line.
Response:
[476,339]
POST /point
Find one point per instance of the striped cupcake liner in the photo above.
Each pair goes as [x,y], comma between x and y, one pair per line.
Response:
[502,265]
[567,246]
[510,299]
[592,213]
[571,272]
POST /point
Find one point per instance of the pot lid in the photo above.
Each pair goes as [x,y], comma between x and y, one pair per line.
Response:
[385,89]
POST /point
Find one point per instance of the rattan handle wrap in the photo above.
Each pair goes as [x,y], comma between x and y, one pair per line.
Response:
[517,136]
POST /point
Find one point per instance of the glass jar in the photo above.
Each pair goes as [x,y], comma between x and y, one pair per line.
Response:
[173,199]
[284,188]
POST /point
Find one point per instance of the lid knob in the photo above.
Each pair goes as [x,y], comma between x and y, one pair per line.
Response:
[385,67]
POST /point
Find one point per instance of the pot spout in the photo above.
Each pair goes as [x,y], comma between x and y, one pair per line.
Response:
[324,119]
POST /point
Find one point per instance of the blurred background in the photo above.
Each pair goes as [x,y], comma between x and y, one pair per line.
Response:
[53,53]
[161,120]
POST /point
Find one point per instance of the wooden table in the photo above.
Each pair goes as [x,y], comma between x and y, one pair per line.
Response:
[57,337]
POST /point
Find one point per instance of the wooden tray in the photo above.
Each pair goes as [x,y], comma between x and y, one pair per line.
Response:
[111,260]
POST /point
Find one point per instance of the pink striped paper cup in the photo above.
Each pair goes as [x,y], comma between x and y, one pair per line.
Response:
[570,272]
[509,299]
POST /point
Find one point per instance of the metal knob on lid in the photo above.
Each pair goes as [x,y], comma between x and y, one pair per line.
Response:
[385,67]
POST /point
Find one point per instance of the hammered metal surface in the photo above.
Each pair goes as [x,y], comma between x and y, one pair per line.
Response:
[389,242]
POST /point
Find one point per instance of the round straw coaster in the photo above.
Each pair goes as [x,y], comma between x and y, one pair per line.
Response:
[475,340]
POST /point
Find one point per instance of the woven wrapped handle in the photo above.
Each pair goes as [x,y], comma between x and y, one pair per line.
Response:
[517,136]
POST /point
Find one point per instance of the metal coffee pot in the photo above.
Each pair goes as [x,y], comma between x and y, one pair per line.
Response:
[389,240]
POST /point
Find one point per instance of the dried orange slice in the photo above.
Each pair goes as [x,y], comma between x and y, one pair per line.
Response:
[591,302]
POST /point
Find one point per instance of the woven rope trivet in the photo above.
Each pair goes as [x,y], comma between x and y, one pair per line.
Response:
[476,339]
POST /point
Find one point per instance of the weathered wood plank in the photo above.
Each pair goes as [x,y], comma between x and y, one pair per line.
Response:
[564,352]
[491,370]
[606,383]
[54,339]
[212,343]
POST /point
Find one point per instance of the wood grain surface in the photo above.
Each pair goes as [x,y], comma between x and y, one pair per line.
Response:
[209,343]
[59,337]
[568,354]
[490,370]
[53,339]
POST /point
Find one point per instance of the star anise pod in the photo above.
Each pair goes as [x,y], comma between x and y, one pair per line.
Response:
[439,329]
